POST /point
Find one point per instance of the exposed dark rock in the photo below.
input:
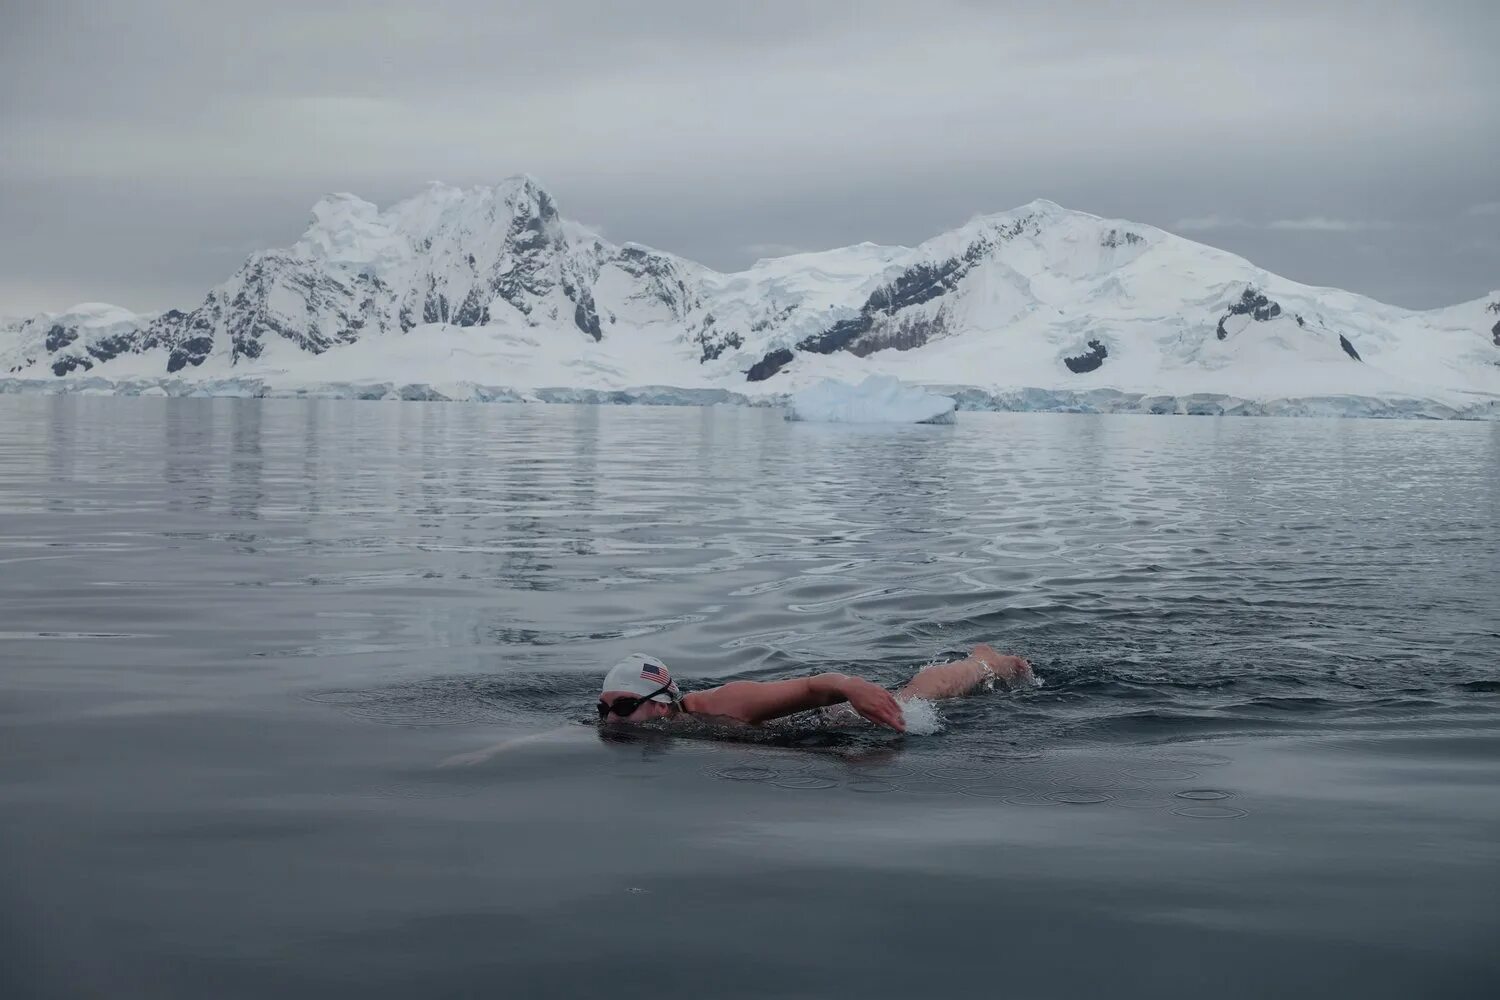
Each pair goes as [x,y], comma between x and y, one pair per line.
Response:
[922,283]
[909,332]
[435,308]
[62,366]
[1299,320]
[249,321]
[1349,348]
[112,347]
[872,330]
[531,242]
[915,286]
[188,337]
[1088,360]
[1495,334]
[162,331]
[522,282]
[191,351]
[660,275]
[768,365]
[586,318]
[713,348]
[472,312]
[712,343]
[1253,304]
[1025,224]
[838,336]
[764,323]
[59,337]
[1114,238]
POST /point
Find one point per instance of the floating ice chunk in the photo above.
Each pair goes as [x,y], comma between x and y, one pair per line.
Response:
[879,399]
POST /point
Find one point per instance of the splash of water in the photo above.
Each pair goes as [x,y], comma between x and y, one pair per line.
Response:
[922,718]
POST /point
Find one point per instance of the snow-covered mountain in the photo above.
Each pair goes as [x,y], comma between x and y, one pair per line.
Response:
[492,287]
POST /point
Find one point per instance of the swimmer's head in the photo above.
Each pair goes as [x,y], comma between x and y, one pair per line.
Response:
[636,689]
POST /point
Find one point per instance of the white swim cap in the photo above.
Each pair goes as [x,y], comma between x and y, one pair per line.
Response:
[642,675]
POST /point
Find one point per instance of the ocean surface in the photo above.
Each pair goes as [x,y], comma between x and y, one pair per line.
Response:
[249,649]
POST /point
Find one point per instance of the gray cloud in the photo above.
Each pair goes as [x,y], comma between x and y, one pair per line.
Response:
[1323,224]
[1209,223]
[139,141]
[759,250]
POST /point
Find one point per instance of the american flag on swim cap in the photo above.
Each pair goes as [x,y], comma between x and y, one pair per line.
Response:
[643,675]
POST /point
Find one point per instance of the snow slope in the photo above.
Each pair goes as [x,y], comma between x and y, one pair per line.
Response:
[1036,307]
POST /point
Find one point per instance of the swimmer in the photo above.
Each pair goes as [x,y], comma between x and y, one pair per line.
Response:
[640,688]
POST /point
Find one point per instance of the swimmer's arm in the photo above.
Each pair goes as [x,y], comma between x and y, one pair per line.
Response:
[984,665]
[760,701]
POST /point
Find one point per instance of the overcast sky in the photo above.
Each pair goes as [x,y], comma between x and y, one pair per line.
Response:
[147,146]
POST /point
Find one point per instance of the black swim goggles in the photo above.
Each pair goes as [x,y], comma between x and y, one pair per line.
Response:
[625,706]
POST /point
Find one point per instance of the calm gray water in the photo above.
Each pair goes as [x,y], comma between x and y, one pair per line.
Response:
[238,637]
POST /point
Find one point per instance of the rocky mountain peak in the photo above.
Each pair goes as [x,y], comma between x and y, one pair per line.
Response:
[1038,295]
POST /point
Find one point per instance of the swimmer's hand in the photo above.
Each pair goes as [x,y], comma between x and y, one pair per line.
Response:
[1002,666]
[873,702]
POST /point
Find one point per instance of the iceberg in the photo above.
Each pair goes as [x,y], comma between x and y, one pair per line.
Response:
[879,399]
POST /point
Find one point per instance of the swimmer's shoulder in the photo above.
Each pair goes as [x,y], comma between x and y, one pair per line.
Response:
[698,702]
[708,706]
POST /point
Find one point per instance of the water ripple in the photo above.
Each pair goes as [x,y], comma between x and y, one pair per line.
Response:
[1176,583]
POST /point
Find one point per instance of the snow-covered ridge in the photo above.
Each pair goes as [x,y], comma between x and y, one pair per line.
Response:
[491,286]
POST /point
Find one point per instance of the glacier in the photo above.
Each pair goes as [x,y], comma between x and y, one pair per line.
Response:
[1028,400]
[490,294]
